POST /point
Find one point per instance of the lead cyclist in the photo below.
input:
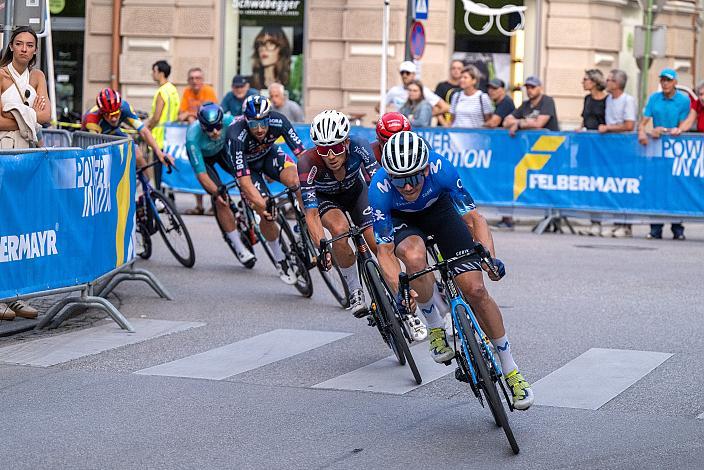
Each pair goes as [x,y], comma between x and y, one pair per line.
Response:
[418,193]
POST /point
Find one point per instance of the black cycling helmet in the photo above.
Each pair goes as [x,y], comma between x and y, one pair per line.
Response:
[210,116]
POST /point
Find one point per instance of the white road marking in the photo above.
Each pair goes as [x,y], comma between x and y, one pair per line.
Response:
[701,416]
[596,377]
[53,350]
[248,354]
[387,376]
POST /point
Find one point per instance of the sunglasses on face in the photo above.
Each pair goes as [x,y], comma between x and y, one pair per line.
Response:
[113,114]
[255,123]
[213,128]
[405,73]
[324,150]
[665,79]
[413,180]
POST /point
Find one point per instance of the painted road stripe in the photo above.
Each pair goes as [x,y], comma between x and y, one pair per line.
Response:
[63,348]
[594,378]
[387,376]
[248,354]
[701,416]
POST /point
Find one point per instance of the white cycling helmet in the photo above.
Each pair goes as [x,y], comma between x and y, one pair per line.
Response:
[404,154]
[329,128]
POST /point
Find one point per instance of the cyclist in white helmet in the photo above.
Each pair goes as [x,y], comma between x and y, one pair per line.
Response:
[418,193]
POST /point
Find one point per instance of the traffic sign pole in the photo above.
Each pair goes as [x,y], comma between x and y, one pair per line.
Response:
[9,18]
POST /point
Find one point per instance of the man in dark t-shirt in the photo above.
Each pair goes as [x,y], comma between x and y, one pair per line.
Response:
[449,87]
[537,112]
[503,104]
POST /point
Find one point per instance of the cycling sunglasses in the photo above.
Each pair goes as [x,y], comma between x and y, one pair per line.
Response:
[214,127]
[324,150]
[413,180]
[254,123]
[113,114]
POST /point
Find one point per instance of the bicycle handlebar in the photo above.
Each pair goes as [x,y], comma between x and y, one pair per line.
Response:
[477,249]
[169,167]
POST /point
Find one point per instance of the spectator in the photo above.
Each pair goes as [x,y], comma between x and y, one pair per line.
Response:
[537,112]
[503,104]
[620,117]
[195,95]
[594,111]
[696,112]
[398,95]
[593,115]
[472,107]
[417,109]
[669,111]
[281,103]
[25,106]
[166,102]
[232,102]
[446,89]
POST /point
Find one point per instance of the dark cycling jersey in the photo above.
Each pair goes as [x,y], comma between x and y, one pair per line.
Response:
[385,198]
[316,178]
[199,146]
[243,147]
[93,121]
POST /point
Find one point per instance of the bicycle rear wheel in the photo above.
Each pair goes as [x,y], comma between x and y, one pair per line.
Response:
[304,285]
[485,382]
[389,311]
[253,229]
[332,278]
[245,241]
[173,230]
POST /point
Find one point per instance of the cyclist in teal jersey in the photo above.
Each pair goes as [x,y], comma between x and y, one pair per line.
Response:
[205,145]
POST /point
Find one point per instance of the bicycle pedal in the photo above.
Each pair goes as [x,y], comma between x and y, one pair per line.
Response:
[448,363]
[461,376]
[370,321]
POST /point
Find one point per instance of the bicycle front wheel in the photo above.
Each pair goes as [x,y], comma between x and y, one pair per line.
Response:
[245,240]
[304,284]
[332,278]
[389,312]
[173,230]
[485,382]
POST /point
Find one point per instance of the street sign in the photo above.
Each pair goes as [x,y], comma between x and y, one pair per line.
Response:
[420,12]
[26,13]
[417,40]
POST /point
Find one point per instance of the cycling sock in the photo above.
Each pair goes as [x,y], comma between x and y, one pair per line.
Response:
[351,277]
[276,250]
[431,314]
[503,348]
[439,301]
[234,237]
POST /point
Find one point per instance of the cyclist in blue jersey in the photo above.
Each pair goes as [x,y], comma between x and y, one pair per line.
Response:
[253,154]
[419,193]
[205,145]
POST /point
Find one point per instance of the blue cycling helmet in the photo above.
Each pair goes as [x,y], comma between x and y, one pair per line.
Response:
[210,116]
[256,107]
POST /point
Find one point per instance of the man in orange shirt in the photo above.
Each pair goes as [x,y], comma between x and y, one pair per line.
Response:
[194,96]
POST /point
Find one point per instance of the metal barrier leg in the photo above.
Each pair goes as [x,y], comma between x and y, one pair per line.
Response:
[90,301]
[53,310]
[133,274]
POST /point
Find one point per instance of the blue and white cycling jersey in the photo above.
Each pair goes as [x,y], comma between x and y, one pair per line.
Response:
[385,198]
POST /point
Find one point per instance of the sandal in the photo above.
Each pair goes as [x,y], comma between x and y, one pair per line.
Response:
[194,211]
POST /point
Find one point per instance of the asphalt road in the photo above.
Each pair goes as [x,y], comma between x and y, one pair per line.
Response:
[564,295]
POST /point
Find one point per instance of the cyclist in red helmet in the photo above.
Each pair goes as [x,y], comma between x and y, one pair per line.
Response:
[386,126]
[110,112]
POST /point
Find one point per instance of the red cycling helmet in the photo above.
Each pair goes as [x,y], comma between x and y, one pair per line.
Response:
[389,124]
[109,101]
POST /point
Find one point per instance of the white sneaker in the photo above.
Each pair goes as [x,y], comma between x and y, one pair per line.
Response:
[417,328]
[358,306]
[593,231]
[286,274]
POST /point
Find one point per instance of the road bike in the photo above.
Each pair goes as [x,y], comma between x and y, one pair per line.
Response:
[248,231]
[476,364]
[157,213]
[384,312]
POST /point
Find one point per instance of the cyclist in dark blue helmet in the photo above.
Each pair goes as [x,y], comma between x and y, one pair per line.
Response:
[205,145]
[253,154]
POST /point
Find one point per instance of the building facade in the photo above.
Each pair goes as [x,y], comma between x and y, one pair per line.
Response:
[335,45]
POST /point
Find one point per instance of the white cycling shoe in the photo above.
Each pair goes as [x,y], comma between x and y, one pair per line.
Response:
[286,273]
[416,328]
[358,306]
[245,256]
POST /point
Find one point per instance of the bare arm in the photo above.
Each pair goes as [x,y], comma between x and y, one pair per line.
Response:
[480,230]
[389,264]
[149,139]
[626,126]
[538,123]
[207,183]
[252,194]
[642,136]
[154,120]
[315,226]
[441,107]
[493,121]
[43,112]
[686,125]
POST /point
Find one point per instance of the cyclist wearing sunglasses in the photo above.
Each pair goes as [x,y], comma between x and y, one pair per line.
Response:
[205,145]
[419,193]
[388,125]
[252,153]
[107,117]
[332,183]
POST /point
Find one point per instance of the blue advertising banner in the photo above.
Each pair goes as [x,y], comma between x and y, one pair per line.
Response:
[67,216]
[584,171]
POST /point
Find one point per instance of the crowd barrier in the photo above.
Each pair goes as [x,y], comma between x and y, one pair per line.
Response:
[609,177]
[67,221]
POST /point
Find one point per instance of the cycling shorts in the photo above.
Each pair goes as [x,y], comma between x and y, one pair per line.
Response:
[445,224]
[354,201]
[221,159]
[271,165]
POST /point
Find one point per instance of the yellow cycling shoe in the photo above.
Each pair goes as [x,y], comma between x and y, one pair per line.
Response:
[522,393]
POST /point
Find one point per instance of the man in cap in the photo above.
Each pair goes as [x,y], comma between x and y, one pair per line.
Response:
[232,102]
[503,104]
[398,94]
[669,110]
[537,112]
